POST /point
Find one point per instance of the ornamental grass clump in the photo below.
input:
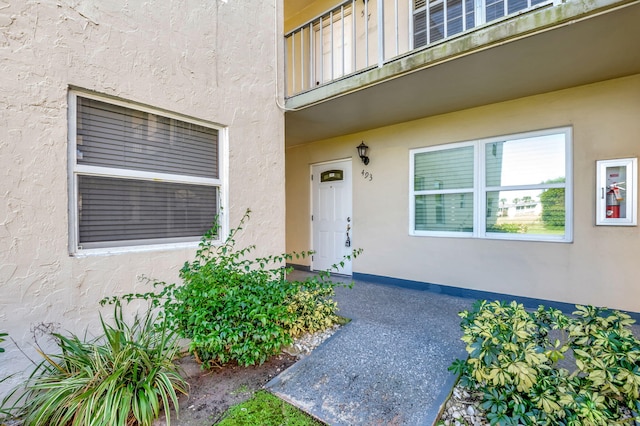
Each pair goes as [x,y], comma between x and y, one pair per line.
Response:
[125,376]
[588,373]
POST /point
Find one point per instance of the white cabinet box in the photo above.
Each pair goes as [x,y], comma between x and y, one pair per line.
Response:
[616,185]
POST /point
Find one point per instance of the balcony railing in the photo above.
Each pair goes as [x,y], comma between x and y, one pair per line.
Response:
[359,34]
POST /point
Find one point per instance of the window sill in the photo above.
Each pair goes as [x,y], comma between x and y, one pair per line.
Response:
[109,251]
[493,237]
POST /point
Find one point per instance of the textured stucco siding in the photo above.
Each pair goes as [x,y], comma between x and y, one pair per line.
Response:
[600,265]
[207,59]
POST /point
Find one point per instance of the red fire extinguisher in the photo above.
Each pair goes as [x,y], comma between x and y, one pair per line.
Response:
[613,201]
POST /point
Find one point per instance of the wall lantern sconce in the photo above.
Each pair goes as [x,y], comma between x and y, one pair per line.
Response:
[362,152]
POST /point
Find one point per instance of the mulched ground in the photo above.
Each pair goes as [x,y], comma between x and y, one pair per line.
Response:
[213,391]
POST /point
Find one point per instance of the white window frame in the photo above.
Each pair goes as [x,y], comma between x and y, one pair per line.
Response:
[480,189]
[414,193]
[75,170]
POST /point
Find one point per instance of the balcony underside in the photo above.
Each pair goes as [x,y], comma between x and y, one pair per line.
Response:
[545,50]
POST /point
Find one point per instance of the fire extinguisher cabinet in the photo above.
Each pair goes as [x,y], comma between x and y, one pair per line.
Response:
[617,192]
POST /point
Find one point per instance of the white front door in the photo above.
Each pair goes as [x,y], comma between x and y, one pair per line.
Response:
[331,215]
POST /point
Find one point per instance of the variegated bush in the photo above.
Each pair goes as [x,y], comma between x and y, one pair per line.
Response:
[544,367]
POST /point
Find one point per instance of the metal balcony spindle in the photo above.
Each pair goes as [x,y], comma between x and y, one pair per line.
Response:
[428,24]
[445,7]
[380,33]
[396,17]
[366,32]
[353,37]
[411,42]
[293,61]
[331,40]
[311,56]
[302,79]
[321,80]
[464,15]
[342,22]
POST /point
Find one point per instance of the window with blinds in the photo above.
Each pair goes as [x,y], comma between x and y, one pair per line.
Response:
[140,177]
[514,187]
[434,20]
[443,186]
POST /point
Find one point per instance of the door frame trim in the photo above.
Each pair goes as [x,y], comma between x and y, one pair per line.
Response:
[311,166]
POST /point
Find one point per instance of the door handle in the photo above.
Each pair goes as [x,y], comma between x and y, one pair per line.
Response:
[348,219]
[347,243]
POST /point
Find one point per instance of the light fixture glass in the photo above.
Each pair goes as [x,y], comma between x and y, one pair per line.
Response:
[362,152]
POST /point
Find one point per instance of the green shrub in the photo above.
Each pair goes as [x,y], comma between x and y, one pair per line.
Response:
[121,378]
[234,308]
[514,363]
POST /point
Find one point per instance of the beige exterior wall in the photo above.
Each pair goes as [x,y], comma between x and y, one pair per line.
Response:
[207,59]
[600,267]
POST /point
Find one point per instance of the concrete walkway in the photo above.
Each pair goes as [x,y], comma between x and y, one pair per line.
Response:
[388,366]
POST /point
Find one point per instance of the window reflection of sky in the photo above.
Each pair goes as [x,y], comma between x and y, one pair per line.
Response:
[531,161]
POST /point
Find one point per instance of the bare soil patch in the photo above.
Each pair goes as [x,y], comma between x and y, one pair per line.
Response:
[213,391]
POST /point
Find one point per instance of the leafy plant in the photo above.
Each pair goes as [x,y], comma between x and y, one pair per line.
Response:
[4,411]
[235,308]
[514,362]
[267,410]
[121,378]
[313,310]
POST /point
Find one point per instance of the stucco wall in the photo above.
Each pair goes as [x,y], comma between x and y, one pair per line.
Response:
[207,59]
[600,267]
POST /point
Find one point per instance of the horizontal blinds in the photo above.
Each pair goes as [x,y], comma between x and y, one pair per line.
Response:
[115,136]
[516,5]
[470,16]
[444,212]
[112,209]
[494,9]
[420,28]
[444,169]
[436,21]
[441,18]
